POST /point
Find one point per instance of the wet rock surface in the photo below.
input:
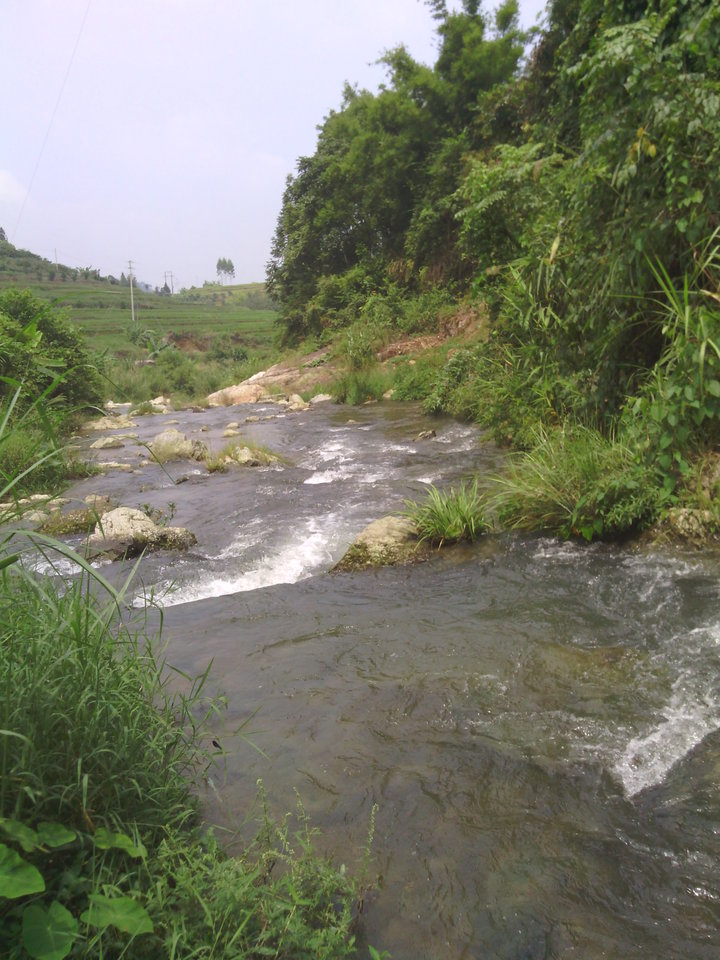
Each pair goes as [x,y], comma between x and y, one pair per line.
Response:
[125,532]
[388,540]
[171,444]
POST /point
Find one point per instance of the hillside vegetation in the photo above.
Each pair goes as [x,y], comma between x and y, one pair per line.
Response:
[67,343]
[101,306]
[568,183]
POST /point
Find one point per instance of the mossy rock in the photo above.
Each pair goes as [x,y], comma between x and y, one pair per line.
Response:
[388,541]
[65,524]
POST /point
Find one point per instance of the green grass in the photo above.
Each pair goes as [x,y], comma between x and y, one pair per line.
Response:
[576,482]
[449,516]
[100,747]
[98,734]
[359,386]
[217,462]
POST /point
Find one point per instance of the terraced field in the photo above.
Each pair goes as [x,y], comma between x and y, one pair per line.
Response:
[101,307]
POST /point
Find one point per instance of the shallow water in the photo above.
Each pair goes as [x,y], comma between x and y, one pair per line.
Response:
[536,721]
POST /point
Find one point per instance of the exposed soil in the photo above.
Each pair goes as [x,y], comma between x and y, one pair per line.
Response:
[320,369]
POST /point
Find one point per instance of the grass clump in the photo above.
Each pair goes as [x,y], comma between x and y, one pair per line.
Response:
[361,386]
[101,748]
[414,381]
[449,516]
[98,736]
[576,482]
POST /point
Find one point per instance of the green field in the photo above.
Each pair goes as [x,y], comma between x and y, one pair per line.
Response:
[101,306]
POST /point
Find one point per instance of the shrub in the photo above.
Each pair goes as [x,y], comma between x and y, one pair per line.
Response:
[36,341]
[415,381]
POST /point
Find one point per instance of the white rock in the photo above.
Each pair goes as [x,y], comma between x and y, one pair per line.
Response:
[107,443]
[173,445]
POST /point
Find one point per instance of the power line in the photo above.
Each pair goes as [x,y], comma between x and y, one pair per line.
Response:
[52,119]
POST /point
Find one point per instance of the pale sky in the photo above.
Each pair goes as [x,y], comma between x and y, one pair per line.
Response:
[177,120]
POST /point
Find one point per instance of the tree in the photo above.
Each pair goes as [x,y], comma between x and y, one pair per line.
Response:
[3,235]
[225,268]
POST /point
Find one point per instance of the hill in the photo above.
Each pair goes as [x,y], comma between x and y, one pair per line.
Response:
[193,318]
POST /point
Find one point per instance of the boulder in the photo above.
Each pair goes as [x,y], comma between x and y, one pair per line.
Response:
[127,532]
[389,540]
[697,527]
[173,445]
[247,457]
[107,443]
[111,423]
[320,398]
[426,435]
[230,432]
[296,404]
[240,393]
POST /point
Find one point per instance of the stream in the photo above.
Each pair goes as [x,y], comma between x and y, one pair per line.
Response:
[538,722]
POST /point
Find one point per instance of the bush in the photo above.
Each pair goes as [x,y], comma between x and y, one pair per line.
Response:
[25,454]
[415,381]
[37,341]
[227,348]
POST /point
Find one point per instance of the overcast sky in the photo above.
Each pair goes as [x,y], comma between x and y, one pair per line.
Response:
[163,130]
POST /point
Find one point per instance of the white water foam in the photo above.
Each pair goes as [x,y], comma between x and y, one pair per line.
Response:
[59,566]
[310,551]
[330,476]
[692,712]
[648,759]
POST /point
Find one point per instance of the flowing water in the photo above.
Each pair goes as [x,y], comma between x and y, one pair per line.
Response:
[538,722]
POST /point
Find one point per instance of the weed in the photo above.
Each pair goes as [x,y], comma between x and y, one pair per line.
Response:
[576,482]
[157,514]
[449,516]
[360,386]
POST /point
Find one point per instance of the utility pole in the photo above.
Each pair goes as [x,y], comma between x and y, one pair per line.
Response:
[169,273]
[132,302]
